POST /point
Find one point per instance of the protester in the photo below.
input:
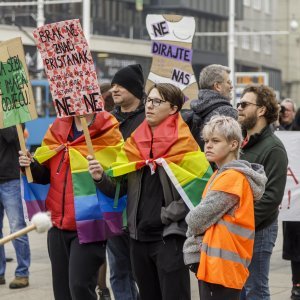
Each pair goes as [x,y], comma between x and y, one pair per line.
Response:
[102,288]
[258,109]
[214,98]
[76,245]
[156,220]
[223,222]
[291,229]
[11,204]
[287,114]
[127,93]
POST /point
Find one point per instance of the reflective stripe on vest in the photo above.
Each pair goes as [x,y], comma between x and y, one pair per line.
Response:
[225,254]
[236,229]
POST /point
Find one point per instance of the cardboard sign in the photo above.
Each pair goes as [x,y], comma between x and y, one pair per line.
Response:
[69,67]
[172,38]
[16,97]
[290,206]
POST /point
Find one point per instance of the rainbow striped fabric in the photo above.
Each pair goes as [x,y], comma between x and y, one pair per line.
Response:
[174,148]
[97,216]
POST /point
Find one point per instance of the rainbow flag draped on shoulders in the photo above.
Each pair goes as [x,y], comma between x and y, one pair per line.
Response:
[97,216]
[174,148]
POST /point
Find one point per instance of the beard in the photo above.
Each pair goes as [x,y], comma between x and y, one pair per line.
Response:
[249,122]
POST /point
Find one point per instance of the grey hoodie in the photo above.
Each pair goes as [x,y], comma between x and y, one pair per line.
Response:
[207,98]
[216,204]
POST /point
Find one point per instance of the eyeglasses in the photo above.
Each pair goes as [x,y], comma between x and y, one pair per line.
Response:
[244,104]
[155,101]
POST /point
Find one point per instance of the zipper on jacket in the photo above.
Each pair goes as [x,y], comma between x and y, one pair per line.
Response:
[64,194]
[61,161]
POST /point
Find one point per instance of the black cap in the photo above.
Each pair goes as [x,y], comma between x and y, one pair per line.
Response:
[131,78]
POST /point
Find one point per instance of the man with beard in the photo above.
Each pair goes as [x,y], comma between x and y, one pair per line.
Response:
[257,109]
[213,99]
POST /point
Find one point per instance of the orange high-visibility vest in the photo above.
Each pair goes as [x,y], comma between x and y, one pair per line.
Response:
[228,245]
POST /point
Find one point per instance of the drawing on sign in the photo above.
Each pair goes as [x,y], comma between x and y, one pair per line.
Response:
[172,37]
[69,67]
[290,173]
[15,90]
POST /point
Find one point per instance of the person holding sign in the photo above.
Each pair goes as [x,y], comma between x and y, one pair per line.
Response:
[77,241]
[11,203]
[165,174]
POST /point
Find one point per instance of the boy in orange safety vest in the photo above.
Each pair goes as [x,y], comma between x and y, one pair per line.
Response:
[221,227]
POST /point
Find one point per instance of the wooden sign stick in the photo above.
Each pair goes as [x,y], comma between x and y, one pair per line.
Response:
[24,150]
[87,135]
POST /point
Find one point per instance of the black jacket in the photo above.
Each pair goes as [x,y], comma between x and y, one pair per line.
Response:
[266,149]
[9,157]
[209,103]
[129,121]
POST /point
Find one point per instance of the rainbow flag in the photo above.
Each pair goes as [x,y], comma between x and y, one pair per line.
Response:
[174,148]
[97,216]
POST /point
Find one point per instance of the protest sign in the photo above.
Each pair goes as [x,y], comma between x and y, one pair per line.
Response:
[17,104]
[69,67]
[290,206]
[172,38]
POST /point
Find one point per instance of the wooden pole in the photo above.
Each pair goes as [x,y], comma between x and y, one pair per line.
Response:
[87,135]
[17,234]
[24,150]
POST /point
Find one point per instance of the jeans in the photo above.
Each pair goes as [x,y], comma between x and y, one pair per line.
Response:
[11,203]
[257,285]
[121,276]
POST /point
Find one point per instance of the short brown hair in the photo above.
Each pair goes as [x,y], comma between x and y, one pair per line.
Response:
[170,93]
[266,97]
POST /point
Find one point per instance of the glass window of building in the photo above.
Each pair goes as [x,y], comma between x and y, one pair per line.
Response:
[256,43]
[246,40]
[257,4]
[267,6]
[247,2]
[267,44]
[236,37]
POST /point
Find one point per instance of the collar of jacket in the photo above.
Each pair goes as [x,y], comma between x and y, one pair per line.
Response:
[121,116]
[255,138]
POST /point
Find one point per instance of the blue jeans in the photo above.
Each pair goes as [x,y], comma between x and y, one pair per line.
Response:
[257,285]
[11,202]
[121,277]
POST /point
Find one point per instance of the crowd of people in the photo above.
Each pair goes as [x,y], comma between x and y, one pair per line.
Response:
[226,240]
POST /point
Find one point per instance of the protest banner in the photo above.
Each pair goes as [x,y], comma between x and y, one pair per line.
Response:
[70,70]
[17,103]
[290,206]
[172,38]
[16,97]
[69,67]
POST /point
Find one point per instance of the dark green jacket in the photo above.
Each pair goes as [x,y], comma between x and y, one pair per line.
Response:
[266,149]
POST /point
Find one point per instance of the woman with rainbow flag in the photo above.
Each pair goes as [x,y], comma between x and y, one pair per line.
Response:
[165,176]
[81,218]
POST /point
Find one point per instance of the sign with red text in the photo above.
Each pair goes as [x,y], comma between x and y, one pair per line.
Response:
[16,98]
[290,206]
[172,52]
[69,67]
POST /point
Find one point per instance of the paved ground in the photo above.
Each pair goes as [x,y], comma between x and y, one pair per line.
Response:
[40,278]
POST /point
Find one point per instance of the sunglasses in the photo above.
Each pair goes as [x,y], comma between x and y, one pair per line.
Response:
[155,101]
[244,104]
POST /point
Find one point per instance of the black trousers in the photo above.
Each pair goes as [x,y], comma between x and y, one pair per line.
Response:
[159,269]
[210,291]
[295,272]
[74,266]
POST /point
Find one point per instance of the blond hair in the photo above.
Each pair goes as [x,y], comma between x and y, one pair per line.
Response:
[227,127]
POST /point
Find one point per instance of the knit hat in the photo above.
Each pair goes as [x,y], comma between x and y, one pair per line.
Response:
[131,78]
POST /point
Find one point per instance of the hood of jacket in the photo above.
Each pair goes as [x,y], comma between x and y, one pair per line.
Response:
[254,172]
[205,99]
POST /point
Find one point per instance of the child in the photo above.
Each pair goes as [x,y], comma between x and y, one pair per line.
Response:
[222,226]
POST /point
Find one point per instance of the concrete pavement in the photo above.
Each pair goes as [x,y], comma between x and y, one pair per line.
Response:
[40,287]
